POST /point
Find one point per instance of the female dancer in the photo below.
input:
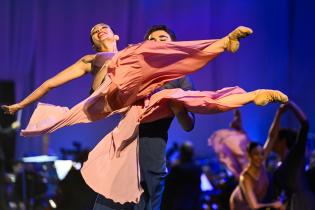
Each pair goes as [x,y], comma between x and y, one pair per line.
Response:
[253,186]
[139,69]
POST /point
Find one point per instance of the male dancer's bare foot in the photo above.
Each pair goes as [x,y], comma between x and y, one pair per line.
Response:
[263,97]
[232,44]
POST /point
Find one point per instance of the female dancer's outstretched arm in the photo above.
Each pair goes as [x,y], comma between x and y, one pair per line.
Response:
[78,69]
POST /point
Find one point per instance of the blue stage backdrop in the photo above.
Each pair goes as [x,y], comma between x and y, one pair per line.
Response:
[39,38]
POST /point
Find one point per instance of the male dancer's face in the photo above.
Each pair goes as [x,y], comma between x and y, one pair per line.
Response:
[160,36]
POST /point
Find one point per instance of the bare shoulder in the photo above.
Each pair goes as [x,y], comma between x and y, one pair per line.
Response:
[244,176]
[88,58]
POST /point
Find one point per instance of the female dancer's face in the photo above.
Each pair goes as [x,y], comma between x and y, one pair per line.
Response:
[101,32]
[160,36]
[256,156]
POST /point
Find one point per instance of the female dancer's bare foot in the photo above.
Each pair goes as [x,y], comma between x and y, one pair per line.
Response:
[232,44]
[263,97]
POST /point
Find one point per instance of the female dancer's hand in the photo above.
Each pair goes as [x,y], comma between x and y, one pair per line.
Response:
[11,109]
[278,205]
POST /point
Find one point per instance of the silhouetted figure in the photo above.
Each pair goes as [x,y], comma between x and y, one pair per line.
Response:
[73,192]
[7,146]
[291,146]
[182,185]
[310,173]
[2,183]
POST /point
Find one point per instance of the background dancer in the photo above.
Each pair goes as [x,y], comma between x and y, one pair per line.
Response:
[290,146]
[254,182]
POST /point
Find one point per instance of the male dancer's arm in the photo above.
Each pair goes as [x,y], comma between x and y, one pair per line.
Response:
[185,118]
[302,138]
[299,114]
[275,127]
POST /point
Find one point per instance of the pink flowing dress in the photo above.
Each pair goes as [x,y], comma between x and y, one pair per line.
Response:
[112,168]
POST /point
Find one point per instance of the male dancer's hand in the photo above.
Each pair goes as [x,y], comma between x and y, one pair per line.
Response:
[176,107]
[186,120]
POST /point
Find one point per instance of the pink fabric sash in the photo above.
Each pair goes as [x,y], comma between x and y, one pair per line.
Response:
[230,146]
